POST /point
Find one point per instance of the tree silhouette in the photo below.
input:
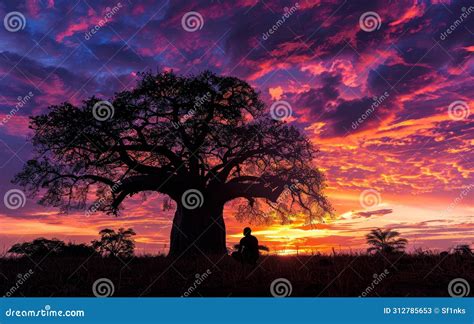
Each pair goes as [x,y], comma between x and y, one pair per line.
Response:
[38,247]
[385,241]
[111,243]
[41,247]
[201,140]
[463,249]
[77,250]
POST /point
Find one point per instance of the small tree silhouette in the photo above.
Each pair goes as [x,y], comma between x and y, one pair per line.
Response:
[111,243]
[385,241]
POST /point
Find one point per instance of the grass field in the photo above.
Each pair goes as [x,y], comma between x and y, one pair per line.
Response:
[319,275]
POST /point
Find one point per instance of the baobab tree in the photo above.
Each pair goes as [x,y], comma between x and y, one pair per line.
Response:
[200,140]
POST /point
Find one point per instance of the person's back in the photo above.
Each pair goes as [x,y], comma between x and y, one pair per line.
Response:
[248,247]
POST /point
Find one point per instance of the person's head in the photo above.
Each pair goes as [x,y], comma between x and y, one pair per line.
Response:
[247,231]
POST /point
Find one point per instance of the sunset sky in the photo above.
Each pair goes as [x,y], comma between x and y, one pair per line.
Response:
[407,164]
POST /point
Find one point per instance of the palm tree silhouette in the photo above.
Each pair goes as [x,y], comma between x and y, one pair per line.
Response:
[385,241]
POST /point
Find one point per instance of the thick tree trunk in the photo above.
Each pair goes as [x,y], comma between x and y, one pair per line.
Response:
[198,231]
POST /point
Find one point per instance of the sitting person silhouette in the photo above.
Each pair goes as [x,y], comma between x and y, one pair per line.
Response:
[248,248]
